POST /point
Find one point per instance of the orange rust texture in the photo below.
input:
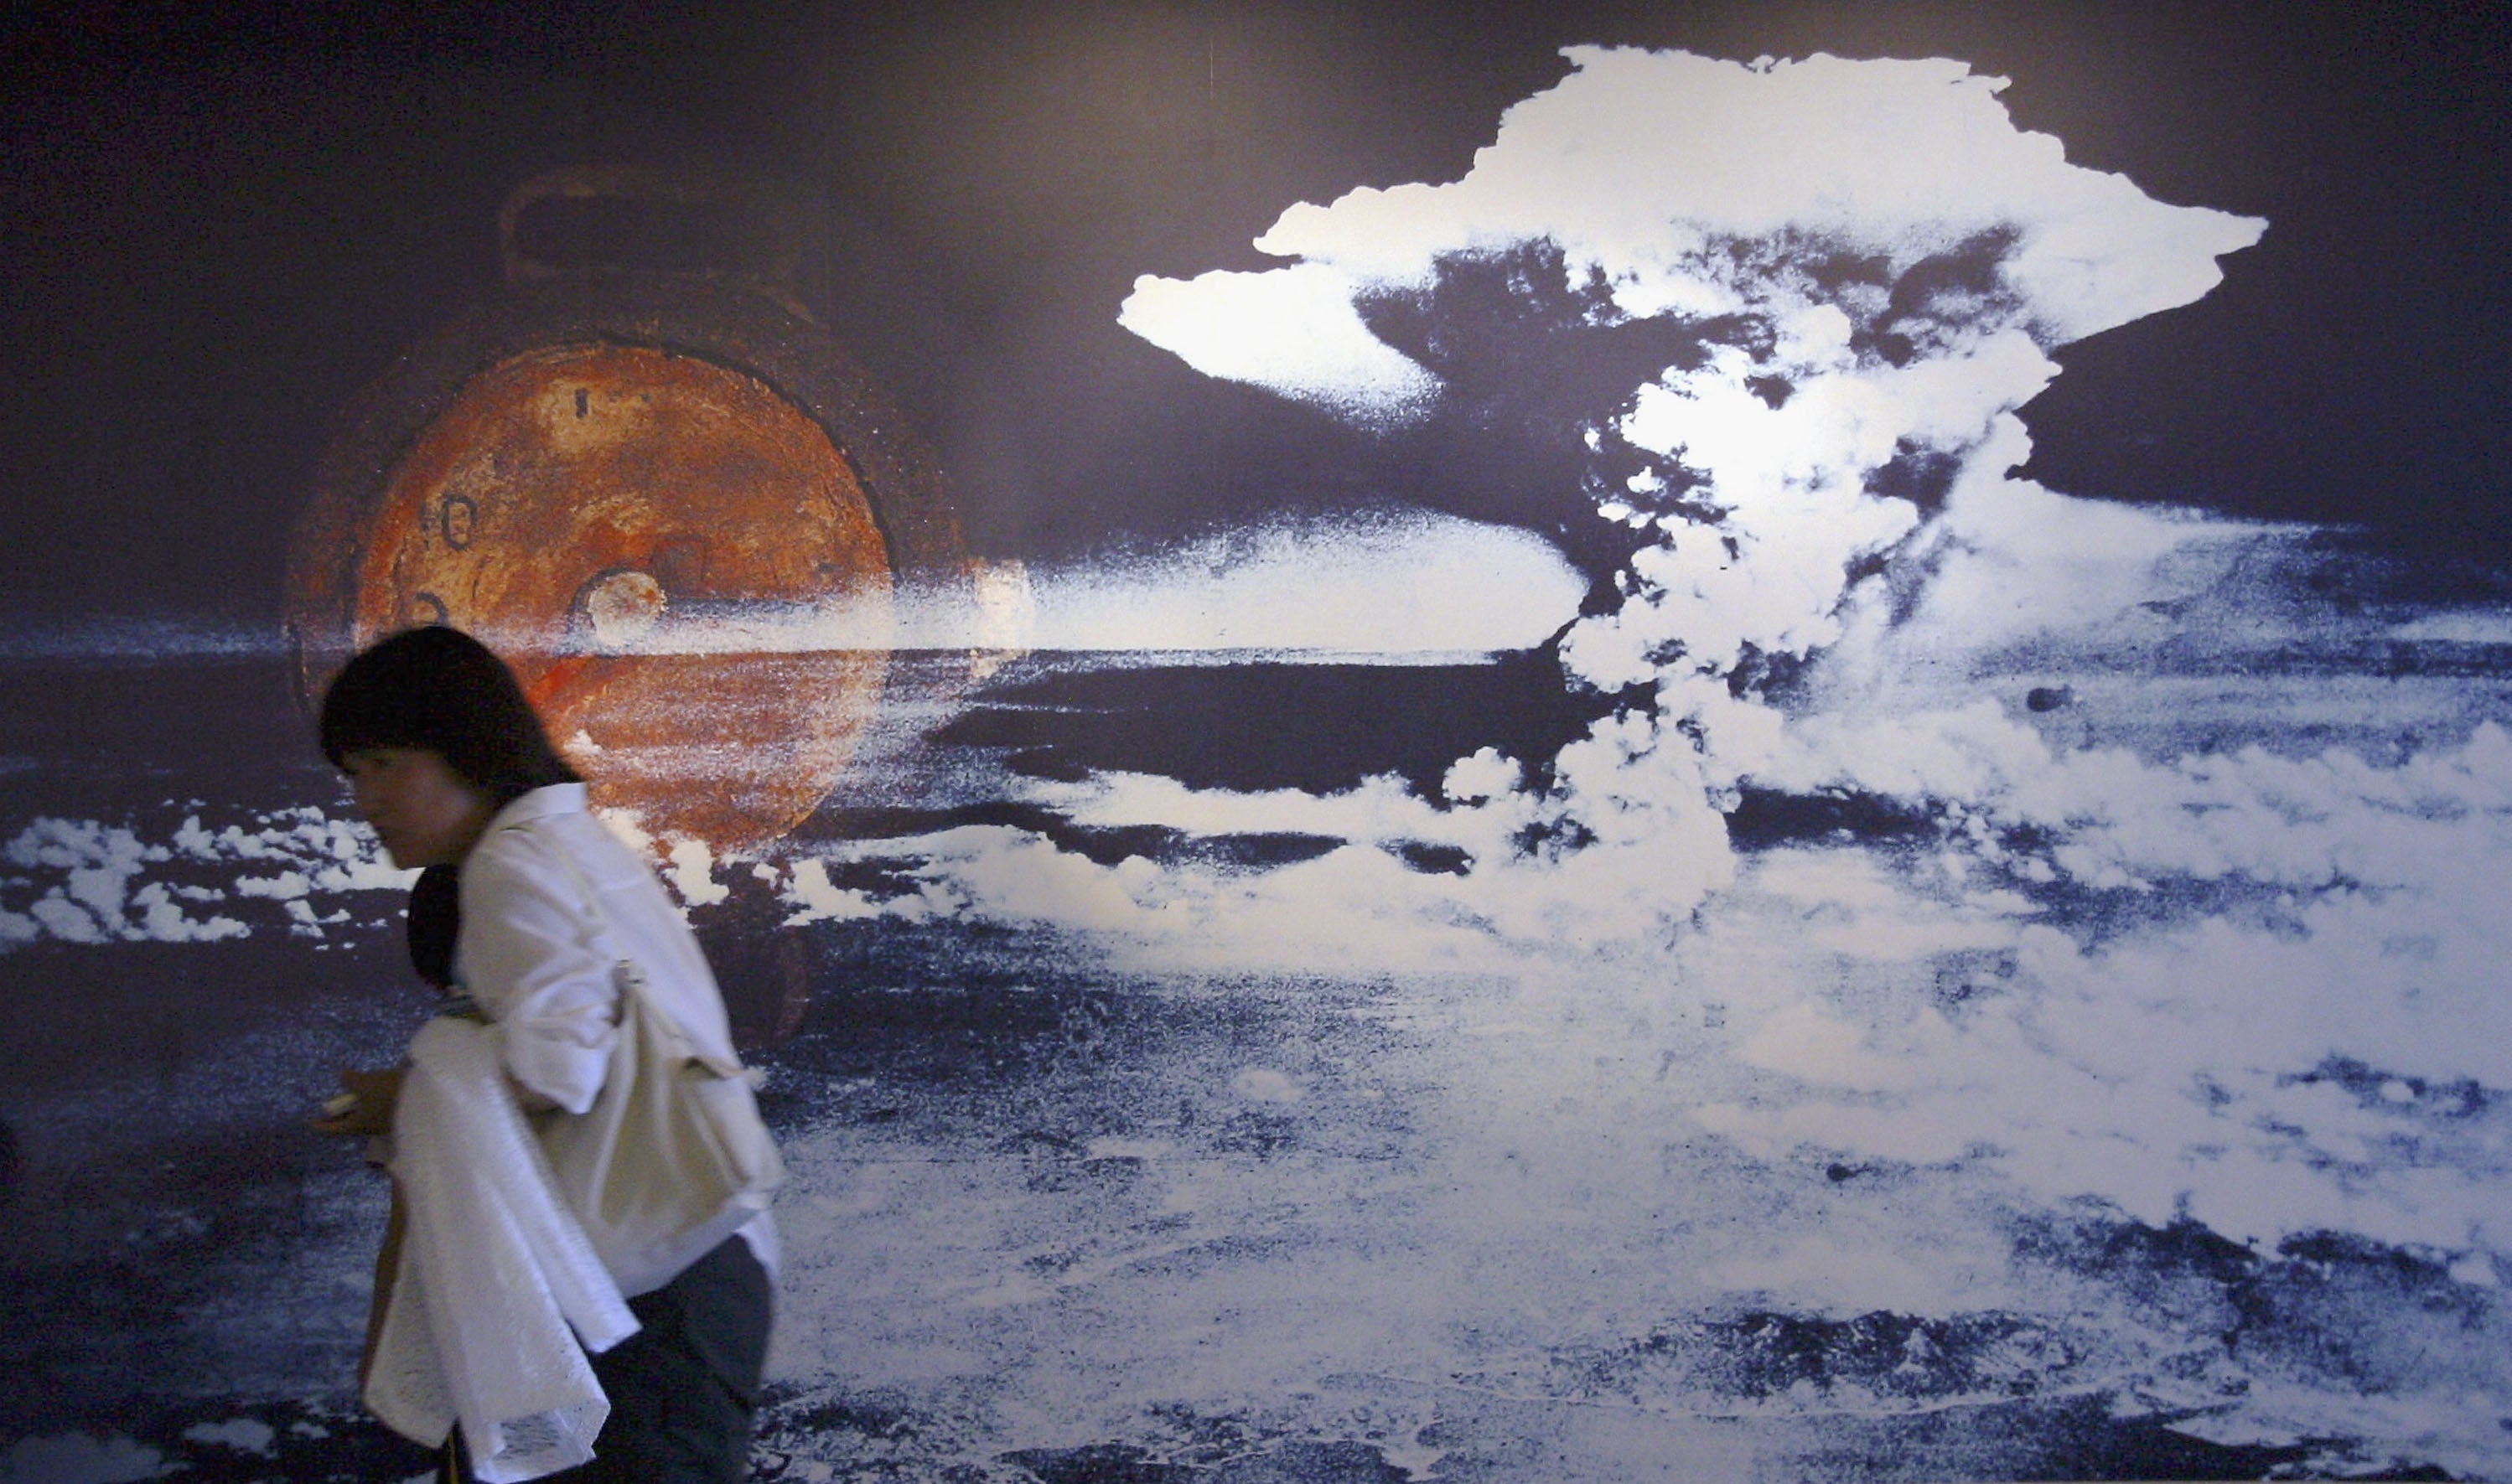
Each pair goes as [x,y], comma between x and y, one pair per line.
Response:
[562,466]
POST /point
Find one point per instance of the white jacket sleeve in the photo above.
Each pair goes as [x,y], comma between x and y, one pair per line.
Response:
[530,958]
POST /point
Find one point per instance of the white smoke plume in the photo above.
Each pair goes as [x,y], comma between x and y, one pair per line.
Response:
[1888,256]
[2235,986]
[1378,584]
[1385,585]
[1878,259]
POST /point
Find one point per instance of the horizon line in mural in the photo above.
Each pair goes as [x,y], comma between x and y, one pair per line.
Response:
[1933,867]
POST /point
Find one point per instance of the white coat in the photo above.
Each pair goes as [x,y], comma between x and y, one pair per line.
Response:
[541,969]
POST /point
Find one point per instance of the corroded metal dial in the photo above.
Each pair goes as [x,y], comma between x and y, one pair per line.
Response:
[677,512]
[618,520]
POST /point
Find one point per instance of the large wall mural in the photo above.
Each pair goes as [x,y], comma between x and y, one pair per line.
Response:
[1529,804]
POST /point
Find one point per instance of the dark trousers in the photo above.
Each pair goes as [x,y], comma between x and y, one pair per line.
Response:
[684,1386]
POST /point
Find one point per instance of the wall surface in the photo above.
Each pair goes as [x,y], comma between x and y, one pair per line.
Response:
[1464,742]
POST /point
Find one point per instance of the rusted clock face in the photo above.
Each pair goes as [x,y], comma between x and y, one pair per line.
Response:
[662,546]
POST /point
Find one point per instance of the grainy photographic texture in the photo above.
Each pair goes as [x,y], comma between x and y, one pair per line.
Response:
[1661,907]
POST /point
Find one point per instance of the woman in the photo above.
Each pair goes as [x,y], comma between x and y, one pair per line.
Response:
[452,769]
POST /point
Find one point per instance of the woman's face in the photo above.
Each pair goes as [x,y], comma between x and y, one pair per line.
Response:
[425,812]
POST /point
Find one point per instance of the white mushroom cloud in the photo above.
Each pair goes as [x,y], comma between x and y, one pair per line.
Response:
[1875,261]
[1647,169]
[2249,989]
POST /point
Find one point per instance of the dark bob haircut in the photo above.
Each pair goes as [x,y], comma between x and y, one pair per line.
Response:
[440,689]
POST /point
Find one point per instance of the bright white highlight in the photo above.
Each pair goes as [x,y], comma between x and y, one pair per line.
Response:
[1396,584]
[1293,331]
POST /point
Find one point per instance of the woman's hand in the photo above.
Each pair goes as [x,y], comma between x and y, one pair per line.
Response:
[366,1109]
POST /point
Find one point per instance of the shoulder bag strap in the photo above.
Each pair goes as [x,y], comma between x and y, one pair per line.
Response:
[626,973]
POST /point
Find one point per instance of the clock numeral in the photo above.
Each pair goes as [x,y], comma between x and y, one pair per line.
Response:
[457,515]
